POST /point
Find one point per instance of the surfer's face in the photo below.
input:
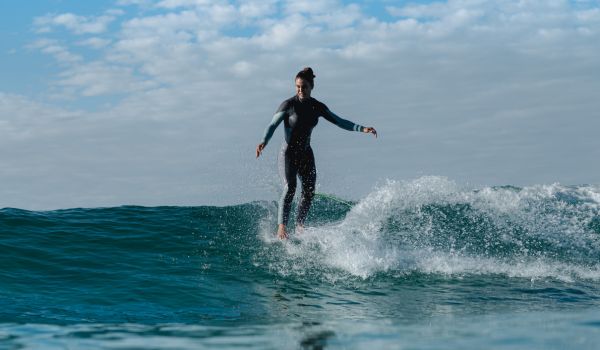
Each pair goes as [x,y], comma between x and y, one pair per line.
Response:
[303,88]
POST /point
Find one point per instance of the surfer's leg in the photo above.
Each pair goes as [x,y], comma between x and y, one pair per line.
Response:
[308,176]
[287,173]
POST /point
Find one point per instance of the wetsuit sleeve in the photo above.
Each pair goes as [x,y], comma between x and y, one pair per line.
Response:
[277,118]
[342,123]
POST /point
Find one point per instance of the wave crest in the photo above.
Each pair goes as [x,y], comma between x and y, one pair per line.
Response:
[433,225]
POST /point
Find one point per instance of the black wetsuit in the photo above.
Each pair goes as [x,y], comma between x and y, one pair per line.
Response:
[296,156]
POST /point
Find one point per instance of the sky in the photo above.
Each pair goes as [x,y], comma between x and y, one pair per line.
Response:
[162,102]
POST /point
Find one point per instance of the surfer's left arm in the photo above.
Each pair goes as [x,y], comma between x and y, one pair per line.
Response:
[346,124]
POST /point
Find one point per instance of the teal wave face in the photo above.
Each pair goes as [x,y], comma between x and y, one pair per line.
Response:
[215,265]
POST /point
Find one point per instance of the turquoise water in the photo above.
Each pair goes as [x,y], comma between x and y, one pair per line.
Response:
[421,264]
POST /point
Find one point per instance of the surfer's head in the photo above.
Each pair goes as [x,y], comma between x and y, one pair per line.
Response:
[305,82]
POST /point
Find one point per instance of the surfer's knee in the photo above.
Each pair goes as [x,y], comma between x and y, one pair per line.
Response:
[289,189]
[308,195]
[308,190]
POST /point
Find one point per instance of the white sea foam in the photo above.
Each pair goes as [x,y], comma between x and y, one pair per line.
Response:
[362,244]
[456,264]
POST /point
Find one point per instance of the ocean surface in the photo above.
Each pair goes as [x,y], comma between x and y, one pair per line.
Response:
[421,264]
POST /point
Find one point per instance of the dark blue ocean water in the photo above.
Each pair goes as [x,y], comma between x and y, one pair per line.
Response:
[424,264]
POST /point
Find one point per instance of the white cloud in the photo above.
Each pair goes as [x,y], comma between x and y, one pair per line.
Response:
[223,14]
[455,88]
[257,8]
[134,2]
[341,18]
[75,23]
[60,52]
[283,33]
[95,43]
[172,4]
[243,68]
[26,119]
[163,26]
[187,40]
[311,7]
[98,78]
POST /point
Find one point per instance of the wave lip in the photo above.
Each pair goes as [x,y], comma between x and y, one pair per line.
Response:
[432,225]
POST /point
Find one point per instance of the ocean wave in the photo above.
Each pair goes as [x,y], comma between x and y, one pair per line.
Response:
[432,225]
[429,225]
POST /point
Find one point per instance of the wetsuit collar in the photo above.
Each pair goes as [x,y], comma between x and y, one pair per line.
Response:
[302,101]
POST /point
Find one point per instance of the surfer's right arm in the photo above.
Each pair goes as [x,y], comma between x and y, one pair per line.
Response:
[277,119]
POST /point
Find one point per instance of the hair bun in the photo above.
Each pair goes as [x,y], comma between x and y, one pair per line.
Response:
[308,72]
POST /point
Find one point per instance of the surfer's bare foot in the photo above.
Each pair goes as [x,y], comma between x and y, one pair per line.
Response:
[299,228]
[281,232]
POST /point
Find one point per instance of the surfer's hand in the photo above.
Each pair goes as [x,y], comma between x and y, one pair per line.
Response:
[370,130]
[259,149]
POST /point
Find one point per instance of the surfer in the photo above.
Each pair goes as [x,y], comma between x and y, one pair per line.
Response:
[300,114]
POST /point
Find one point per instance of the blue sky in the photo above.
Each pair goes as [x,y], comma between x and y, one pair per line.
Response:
[28,71]
[157,102]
